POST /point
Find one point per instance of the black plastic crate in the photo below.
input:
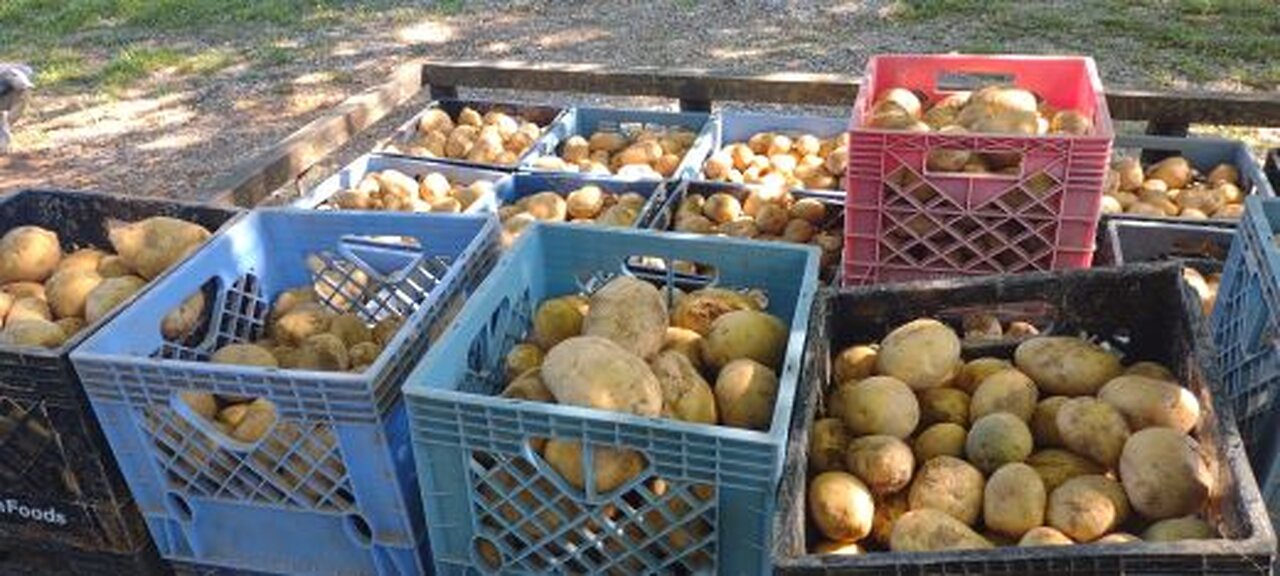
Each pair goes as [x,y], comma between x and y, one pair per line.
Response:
[1123,242]
[1272,168]
[71,563]
[61,494]
[1143,310]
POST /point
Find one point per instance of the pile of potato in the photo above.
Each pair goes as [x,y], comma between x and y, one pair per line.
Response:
[492,138]
[633,152]
[1172,187]
[46,296]
[920,451]
[782,160]
[988,110]
[588,204]
[395,191]
[764,214]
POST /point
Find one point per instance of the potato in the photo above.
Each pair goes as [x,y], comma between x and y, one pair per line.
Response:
[182,321]
[828,441]
[810,210]
[522,358]
[324,352]
[798,231]
[598,373]
[877,405]
[28,308]
[1174,171]
[304,321]
[740,228]
[612,467]
[1071,122]
[1130,171]
[34,332]
[840,506]
[722,207]
[258,420]
[350,329]
[854,363]
[1044,536]
[362,355]
[883,463]
[943,439]
[977,370]
[686,342]
[1064,365]
[1014,500]
[745,393]
[84,259]
[547,207]
[997,439]
[71,325]
[922,353]
[1223,173]
[943,405]
[1087,507]
[1094,429]
[28,254]
[202,403]
[585,202]
[950,485]
[686,395]
[1151,370]
[151,246]
[930,530]
[1055,466]
[745,334]
[290,299]
[1117,538]
[233,415]
[1184,528]
[108,294]
[699,309]
[558,319]
[529,386]
[630,312]
[67,290]
[901,99]
[244,355]
[888,508]
[838,548]
[1164,473]
[1005,391]
[1044,422]
[435,119]
[1146,402]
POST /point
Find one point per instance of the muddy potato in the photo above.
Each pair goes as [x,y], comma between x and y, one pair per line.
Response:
[1164,473]
[943,405]
[922,353]
[745,334]
[324,352]
[1057,466]
[950,485]
[36,332]
[558,319]
[596,372]
[997,439]
[877,405]
[67,290]
[930,530]
[1014,500]
[108,294]
[827,444]
[522,358]
[1146,402]
[28,254]
[1064,365]
[889,507]
[840,506]
[883,463]
[699,309]
[153,245]
[1151,370]
[1005,391]
[630,312]
[977,370]
[362,355]
[745,392]
[244,355]
[182,321]
[943,439]
[686,396]
[1087,507]
[302,322]
[529,386]
[612,467]
[1174,171]
[1094,429]
[1044,536]
[1044,422]
[854,363]
[1184,528]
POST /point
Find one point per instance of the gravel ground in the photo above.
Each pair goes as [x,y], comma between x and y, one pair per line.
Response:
[171,133]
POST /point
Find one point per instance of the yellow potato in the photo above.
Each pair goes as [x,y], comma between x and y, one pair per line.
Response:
[1087,507]
[1014,500]
[1151,370]
[828,441]
[854,363]
[977,370]
[558,319]
[686,395]
[1146,402]
[1005,391]
[997,439]
[630,312]
[840,506]
[612,467]
[922,353]
[522,358]
[759,336]
[529,386]
[876,405]
[950,485]
[28,254]
[745,393]
[324,352]
[930,530]
[1057,466]
[883,463]
[1117,538]
[1044,422]
[1064,365]
[598,373]
[943,439]
[1094,429]
[699,309]
[889,507]
[1044,536]
[153,245]
[244,355]
[67,291]
[35,332]
[1175,529]
[1164,473]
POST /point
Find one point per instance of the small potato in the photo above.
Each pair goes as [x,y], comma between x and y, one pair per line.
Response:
[686,396]
[828,442]
[1130,171]
[1064,365]
[1071,122]
[877,405]
[1223,173]
[854,363]
[1117,538]
[28,253]
[522,358]
[901,99]
[1094,429]
[745,393]
[975,371]
[1044,536]
[1005,391]
[772,219]
[558,319]
[1184,528]
[1146,402]
[547,206]
[840,506]
[944,439]
[889,507]
[721,208]
[950,485]
[981,326]
[752,334]
[1044,422]
[1151,370]
[576,149]
[1014,500]
[1164,473]
[1057,466]
[922,353]
[809,210]
[798,231]
[1087,507]
[529,386]
[997,439]
[930,530]
[883,463]
[1174,171]
[470,117]
[300,323]
[943,405]
[244,355]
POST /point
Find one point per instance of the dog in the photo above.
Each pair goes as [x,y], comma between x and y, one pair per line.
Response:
[15,92]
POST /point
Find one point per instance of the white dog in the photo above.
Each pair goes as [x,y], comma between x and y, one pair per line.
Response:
[15,90]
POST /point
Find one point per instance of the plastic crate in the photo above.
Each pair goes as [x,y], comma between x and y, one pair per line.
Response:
[904,222]
[1272,167]
[1145,312]
[732,127]
[1203,154]
[76,563]
[544,116]
[1246,330]
[587,121]
[60,490]
[526,184]
[331,487]
[353,173]
[721,481]
[1124,241]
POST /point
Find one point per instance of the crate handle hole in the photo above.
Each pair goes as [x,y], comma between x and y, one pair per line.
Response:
[389,259]
[358,530]
[486,555]
[236,423]
[178,506]
[962,81]
[953,159]
[683,274]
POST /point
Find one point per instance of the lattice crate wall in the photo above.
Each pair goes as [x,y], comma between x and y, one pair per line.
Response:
[493,504]
[326,467]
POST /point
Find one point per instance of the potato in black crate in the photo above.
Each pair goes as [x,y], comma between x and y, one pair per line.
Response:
[64,508]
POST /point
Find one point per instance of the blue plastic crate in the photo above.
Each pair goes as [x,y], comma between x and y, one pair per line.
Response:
[731,127]
[544,116]
[526,184]
[1204,154]
[476,465]
[1246,332]
[331,487]
[586,121]
[353,173]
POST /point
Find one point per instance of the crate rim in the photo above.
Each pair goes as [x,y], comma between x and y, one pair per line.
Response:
[716,127]
[412,124]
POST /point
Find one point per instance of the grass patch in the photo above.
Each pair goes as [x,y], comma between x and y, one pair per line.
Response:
[274,55]
[135,63]
[208,61]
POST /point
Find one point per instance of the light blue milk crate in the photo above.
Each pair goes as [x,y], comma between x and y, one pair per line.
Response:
[353,173]
[494,506]
[526,184]
[1246,332]
[584,122]
[543,116]
[1203,154]
[330,488]
[728,128]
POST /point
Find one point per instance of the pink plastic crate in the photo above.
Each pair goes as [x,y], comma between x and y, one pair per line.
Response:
[904,222]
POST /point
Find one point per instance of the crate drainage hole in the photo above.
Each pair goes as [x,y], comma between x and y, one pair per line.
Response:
[178,506]
[486,554]
[359,531]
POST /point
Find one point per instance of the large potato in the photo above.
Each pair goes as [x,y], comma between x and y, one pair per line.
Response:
[1044,536]
[698,309]
[302,322]
[1184,528]
[1014,499]
[854,363]
[244,355]
[612,467]
[889,508]
[749,334]
[108,294]
[1164,473]
[745,392]
[686,342]
[558,319]
[883,463]
[923,354]
[28,254]
[950,485]
[1065,365]
[977,370]
[595,372]
[828,441]
[686,395]
[151,246]
[1151,370]
[1087,507]
[1145,402]
[1044,422]
[942,439]
[1055,466]
[67,291]
[37,332]
[182,321]
[1005,391]
[877,405]
[943,405]
[997,439]
[84,259]
[630,312]
[1092,428]
[840,506]
[930,530]
[529,386]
